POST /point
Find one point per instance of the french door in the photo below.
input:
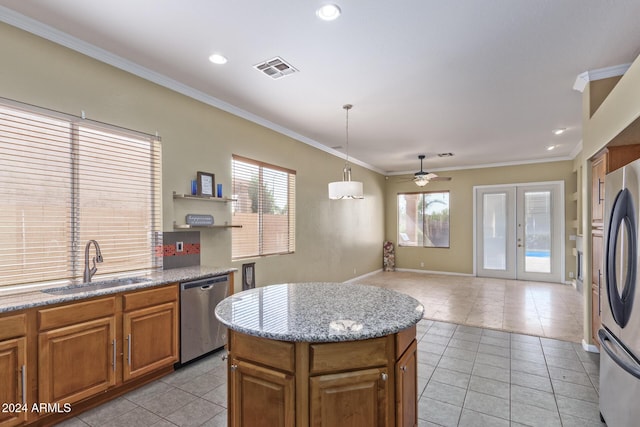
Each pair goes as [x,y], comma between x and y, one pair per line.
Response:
[520,231]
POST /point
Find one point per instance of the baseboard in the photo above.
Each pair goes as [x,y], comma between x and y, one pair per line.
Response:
[589,347]
[355,279]
[445,273]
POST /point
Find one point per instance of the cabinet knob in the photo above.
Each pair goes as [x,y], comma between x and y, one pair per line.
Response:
[234,367]
[384,376]
[403,369]
[225,356]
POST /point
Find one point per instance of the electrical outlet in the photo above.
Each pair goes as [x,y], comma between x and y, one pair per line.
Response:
[571,275]
[179,246]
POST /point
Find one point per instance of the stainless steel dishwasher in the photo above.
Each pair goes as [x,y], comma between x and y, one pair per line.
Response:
[200,331]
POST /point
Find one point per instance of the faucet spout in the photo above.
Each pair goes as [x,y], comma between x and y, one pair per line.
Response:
[89,272]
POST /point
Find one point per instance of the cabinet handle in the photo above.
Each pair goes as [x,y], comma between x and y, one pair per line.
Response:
[234,367]
[600,199]
[384,376]
[113,355]
[24,385]
[129,349]
[403,368]
[599,287]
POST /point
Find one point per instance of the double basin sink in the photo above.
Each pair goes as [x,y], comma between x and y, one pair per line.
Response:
[96,286]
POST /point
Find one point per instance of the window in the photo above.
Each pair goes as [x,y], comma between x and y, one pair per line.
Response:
[64,181]
[423,219]
[265,208]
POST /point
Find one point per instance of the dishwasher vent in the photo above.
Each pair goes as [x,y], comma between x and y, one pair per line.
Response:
[275,68]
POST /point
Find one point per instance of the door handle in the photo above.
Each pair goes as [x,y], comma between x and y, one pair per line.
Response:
[24,385]
[113,356]
[129,349]
[599,287]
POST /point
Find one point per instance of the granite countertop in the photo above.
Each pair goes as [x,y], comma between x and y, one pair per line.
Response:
[319,312]
[18,300]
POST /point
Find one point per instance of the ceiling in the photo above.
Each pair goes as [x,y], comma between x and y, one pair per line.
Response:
[486,80]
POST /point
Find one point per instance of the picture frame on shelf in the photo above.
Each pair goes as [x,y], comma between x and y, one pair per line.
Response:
[206,184]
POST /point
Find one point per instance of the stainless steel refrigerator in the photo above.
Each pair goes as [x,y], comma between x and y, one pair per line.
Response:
[620,332]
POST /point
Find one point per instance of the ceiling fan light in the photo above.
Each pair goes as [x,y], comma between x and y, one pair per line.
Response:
[421,182]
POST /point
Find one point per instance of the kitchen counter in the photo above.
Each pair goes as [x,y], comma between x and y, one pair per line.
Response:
[319,312]
[18,300]
[310,354]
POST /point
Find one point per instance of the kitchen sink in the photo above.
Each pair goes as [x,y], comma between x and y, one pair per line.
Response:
[96,286]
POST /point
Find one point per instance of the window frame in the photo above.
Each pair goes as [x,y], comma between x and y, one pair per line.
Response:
[241,207]
[424,220]
[76,142]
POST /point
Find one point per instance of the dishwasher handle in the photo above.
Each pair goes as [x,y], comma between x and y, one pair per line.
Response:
[205,284]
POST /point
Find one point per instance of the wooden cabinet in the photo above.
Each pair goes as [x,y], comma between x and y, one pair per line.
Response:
[597,277]
[598,172]
[407,388]
[356,383]
[13,370]
[76,350]
[355,398]
[150,331]
[261,396]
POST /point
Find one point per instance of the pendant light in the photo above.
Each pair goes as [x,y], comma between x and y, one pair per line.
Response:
[346,189]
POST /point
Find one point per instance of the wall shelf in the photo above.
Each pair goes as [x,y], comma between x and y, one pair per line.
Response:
[187,226]
[204,198]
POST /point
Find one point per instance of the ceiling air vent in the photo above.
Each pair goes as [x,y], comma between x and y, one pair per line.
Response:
[275,68]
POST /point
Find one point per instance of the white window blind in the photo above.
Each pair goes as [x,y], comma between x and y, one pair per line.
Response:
[64,181]
[265,208]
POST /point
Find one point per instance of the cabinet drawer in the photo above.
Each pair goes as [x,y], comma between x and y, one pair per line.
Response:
[75,313]
[331,357]
[276,354]
[149,297]
[13,326]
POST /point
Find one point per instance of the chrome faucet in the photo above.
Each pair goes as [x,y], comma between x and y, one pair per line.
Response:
[89,272]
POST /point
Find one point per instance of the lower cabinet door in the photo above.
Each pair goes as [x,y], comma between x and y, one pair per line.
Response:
[150,339]
[407,388]
[77,361]
[260,397]
[357,398]
[13,382]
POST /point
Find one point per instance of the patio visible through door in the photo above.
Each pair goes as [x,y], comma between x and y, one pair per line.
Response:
[520,231]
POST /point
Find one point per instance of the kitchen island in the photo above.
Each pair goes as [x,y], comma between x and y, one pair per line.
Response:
[321,354]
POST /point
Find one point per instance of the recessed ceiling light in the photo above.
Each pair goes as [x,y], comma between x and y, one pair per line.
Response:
[559,131]
[216,58]
[328,12]
[550,147]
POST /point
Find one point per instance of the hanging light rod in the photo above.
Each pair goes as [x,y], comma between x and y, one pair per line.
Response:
[346,189]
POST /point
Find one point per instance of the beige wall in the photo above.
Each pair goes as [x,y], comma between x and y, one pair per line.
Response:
[459,257]
[336,240]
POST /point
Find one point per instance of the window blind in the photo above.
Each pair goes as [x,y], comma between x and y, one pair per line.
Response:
[64,181]
[265,208]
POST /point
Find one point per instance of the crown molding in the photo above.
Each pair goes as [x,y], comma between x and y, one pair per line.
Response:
[491,165]
[599,74]
[576,150]
[54,35]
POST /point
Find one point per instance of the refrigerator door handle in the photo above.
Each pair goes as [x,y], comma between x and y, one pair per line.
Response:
[618,354]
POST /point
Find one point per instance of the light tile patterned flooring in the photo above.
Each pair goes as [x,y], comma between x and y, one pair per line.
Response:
[544,309]
[467,375]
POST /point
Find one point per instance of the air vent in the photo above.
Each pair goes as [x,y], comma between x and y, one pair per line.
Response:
[445,154]
[275,68]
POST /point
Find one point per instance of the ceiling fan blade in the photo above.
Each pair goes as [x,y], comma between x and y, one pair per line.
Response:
[441,178]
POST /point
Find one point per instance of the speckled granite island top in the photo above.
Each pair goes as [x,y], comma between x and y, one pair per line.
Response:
[18,300]
[319,312]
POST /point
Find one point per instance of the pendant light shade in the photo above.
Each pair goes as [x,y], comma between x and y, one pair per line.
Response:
[346,189]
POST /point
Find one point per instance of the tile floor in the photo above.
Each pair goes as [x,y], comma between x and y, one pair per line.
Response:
[467,376]
[544,309]
[469,373]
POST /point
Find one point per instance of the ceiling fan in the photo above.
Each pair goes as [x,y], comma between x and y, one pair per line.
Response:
[422,178]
